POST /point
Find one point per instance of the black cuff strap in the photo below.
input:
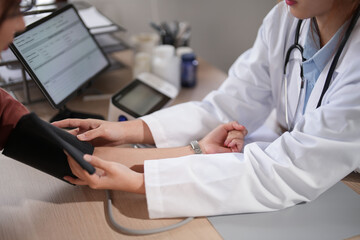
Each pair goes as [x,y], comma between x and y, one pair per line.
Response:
[41,145]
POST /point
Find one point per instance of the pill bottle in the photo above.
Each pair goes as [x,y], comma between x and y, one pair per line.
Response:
[166,65]
[188,70]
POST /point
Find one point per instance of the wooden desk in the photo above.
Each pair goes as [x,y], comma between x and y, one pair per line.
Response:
[36,206]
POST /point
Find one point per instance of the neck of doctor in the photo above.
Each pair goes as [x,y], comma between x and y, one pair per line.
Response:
[329,22]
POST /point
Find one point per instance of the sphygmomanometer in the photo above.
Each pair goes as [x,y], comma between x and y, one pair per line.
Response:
[144,95]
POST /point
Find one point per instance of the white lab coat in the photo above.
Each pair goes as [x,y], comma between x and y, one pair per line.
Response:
[297,166]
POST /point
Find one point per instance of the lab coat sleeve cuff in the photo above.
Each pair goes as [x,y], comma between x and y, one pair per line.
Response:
[153,193]
[157,131]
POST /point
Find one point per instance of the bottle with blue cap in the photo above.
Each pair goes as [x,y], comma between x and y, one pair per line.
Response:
[188,70]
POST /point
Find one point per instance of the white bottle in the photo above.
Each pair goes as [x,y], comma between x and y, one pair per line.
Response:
[166,65]
[144,42]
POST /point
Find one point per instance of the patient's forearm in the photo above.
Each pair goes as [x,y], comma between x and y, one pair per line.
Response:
[137,156]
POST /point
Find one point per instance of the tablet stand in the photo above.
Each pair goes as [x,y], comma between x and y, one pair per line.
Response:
[64,113]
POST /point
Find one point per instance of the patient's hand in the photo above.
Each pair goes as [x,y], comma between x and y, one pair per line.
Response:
[225,138]
[109,175]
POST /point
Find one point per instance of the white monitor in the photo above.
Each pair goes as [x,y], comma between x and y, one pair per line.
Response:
[60,55]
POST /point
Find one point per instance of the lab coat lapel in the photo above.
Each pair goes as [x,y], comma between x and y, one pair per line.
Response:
[318,88]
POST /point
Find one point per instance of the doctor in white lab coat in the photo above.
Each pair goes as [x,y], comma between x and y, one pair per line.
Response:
[321,146]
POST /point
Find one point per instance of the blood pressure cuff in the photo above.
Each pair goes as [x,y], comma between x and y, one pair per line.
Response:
[41,145]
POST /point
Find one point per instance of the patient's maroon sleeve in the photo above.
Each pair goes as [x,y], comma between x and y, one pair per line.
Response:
[10,112]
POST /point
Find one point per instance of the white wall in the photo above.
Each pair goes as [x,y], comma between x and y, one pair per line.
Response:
[221,30]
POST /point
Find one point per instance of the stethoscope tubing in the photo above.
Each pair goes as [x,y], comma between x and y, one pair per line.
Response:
[333,65]
[338,53]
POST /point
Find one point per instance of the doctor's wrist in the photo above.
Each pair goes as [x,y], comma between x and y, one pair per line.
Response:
[197,147]
[136,131]
[139,184]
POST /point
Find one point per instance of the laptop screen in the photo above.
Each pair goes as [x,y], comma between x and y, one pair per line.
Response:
[60,54]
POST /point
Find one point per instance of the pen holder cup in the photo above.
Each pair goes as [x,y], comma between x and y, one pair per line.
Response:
[173,33]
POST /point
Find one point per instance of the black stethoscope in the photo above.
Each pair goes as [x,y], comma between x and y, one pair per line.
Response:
[297,46]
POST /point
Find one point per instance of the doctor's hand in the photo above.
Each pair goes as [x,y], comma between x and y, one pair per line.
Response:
[105,133]
[109,175]
[225,138]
